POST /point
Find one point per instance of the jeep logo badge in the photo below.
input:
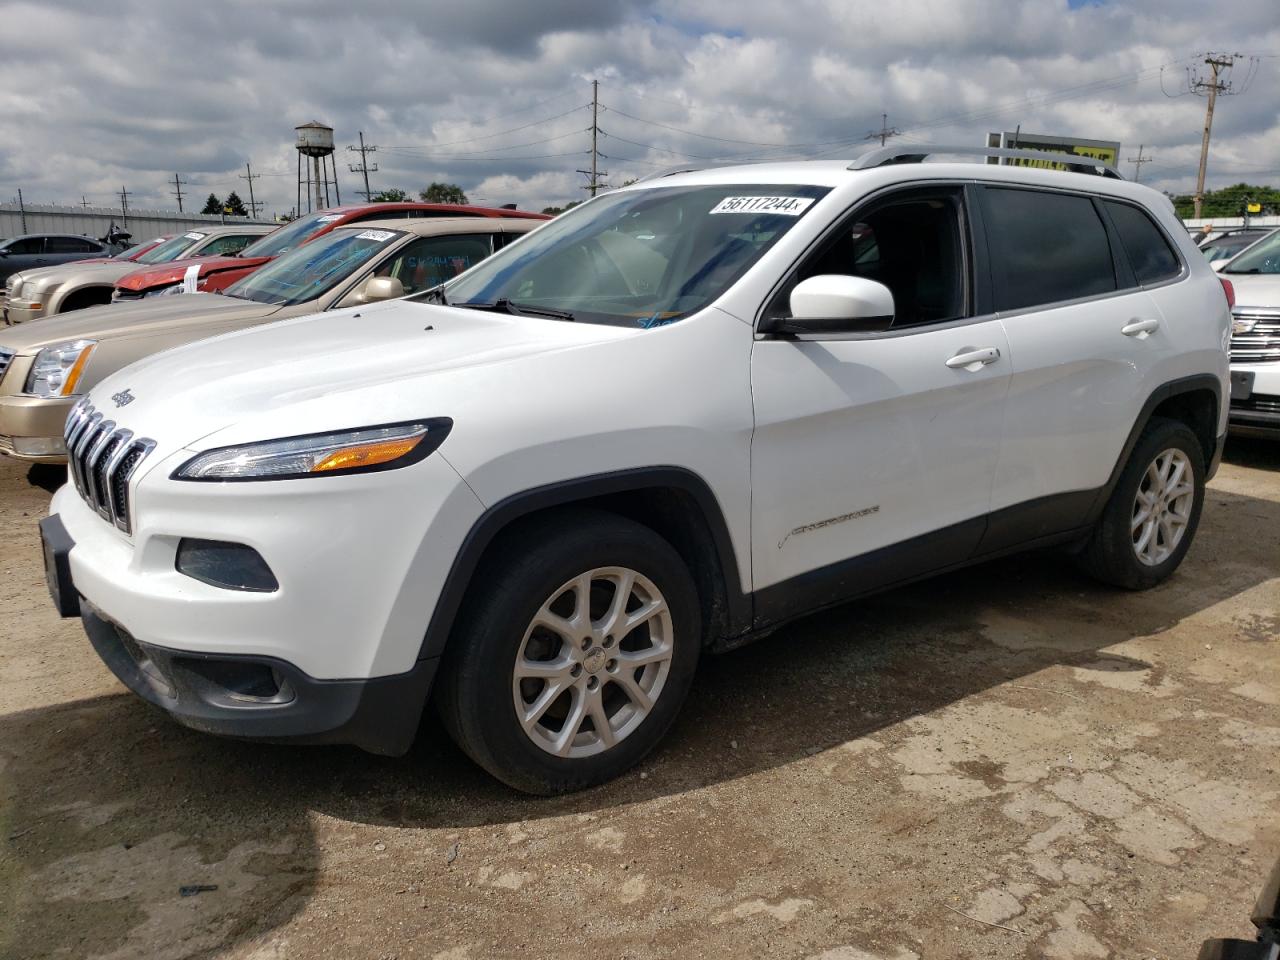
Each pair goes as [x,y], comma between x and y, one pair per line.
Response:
[123,398]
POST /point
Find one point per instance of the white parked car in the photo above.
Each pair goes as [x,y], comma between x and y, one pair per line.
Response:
[671,419]
[1254,279]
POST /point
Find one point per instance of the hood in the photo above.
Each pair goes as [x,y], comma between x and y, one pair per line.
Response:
[164,274]
[151,317]
[1255,289]
[82,271]
[387,353]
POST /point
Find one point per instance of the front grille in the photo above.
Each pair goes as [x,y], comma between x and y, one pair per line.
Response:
[1262,343]
[119,294]
[102,458]
[1258,404]
[6,358]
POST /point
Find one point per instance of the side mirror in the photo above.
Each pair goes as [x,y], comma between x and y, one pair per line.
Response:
[381,288]
[836,303]
[1219,264]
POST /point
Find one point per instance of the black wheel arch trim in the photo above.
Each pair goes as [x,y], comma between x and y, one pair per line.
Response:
[566,493]
[1173,388]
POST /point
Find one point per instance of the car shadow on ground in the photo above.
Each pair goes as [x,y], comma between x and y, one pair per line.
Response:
[112,777]
[1257,452]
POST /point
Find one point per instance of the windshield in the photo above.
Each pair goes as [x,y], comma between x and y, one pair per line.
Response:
[315,269]
[1225,247]
[1262,257]
[639,257]
[291,235]
[172,248]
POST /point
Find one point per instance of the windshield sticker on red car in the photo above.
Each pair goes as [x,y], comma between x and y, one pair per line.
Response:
[191,278]
[329,218]
[382,236]
[195,236]
[784,206]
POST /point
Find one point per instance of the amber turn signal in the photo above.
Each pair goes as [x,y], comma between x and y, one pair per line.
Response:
[367,454]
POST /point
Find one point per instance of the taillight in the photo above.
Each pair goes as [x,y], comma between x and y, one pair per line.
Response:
[1229,290]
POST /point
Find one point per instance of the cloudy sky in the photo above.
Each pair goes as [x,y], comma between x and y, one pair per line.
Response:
[494,94]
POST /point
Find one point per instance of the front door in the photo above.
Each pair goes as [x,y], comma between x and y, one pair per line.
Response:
[873,456]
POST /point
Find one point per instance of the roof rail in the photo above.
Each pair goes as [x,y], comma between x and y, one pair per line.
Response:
[692,168]
[906,153]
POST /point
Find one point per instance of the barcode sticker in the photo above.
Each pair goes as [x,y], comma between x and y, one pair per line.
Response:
[329,218]
[783,206]
[382,236]
[195,236]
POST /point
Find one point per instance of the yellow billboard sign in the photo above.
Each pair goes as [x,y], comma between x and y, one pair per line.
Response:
[1108,151]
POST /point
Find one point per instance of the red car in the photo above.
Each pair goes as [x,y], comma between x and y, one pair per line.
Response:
[218,273]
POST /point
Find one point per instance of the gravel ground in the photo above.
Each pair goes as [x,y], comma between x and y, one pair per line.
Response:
[1006,762]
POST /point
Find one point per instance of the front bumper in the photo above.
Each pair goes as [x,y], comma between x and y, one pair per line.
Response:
[248,697]
[1255,400]
[28,421]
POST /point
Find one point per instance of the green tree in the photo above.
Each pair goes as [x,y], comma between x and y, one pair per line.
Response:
[1229,201]
[443,193]
[557,210]
[393,195]
[212,205]
[234,206]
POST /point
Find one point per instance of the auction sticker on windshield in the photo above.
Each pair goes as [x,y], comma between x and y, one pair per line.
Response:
[194,236]
[786,206]
[382,236]
[329,218]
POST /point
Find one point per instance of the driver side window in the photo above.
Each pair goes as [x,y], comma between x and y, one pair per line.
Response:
[913,244]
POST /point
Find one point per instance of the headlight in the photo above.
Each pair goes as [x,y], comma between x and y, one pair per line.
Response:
[58,369]
[321,454]
[13,286]
[165,291]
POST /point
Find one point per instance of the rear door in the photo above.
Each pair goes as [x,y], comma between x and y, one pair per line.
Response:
[1083,341]
[66,249]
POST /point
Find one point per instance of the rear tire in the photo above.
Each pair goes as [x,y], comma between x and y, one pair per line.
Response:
[574,652]
[1150,520]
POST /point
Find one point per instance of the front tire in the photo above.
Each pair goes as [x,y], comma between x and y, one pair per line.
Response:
[1150,520]
[574,653]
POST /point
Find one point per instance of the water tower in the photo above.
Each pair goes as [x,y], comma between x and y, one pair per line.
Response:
[315,166]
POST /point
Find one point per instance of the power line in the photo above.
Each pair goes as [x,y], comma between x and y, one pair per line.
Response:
[414,152]
[1138,161]
[885,131]
[1219,66]
[363,167]
[177,190]
[490,136]
[250,176]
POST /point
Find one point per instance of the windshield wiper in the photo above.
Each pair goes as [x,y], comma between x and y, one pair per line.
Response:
[435,295]
[503,305]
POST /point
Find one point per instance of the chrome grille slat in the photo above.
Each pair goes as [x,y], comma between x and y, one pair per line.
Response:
[1259,345]
[103,459]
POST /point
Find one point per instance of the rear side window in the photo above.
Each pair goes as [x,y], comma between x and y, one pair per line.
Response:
[1149,252]
[70,245]
[1045,248]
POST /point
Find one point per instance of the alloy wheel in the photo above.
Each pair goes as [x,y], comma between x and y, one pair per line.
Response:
[593,662]
[1162,507]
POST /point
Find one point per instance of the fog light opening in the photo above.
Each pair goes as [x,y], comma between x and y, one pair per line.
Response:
[231,566]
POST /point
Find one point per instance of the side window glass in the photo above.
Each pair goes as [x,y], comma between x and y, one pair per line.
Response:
[429,261]
[1045,248]
[913,246]
[27,245]
[225,246]
[1149,252]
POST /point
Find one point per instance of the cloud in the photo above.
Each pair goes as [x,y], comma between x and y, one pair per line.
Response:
[493,94]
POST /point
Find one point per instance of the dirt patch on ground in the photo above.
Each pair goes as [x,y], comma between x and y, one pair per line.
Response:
[1009,761]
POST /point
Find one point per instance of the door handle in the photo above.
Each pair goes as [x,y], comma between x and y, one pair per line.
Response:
[972,360]
[1140,328]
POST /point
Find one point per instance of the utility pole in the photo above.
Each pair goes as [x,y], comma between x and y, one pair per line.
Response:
[124,206]
[1209,88]
[22,210]
[177,190]
[83,202]
[251,176]
[595,173]
[363,167]
[1137,162]
[885,131]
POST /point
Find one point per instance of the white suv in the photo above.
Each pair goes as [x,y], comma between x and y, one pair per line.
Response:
[1253,279]
[669,420]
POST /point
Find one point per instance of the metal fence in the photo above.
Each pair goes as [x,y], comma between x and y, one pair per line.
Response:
[16,220]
